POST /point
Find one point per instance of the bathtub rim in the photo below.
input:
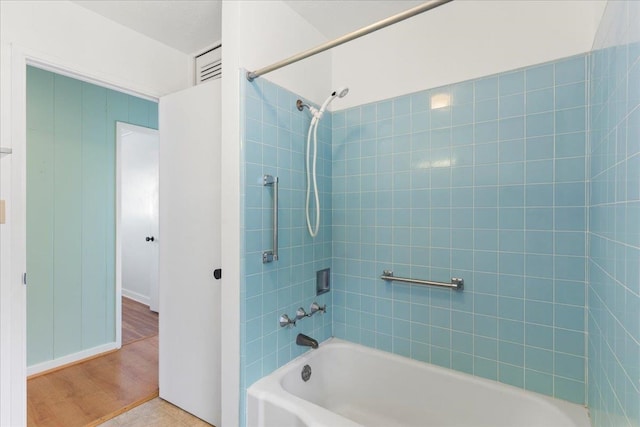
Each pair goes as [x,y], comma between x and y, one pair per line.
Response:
[271,389]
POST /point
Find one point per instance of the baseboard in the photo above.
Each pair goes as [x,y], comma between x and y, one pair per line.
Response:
[71,359]
[136,296]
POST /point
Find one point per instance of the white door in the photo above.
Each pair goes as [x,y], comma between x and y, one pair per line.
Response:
[137,229]
[190,250]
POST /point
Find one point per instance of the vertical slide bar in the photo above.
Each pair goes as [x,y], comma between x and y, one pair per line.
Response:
[268,256]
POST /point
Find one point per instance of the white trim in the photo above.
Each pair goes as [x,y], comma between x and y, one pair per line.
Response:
[118,239]
[17,220]
[5,253]
[45,61]
[230,176]
[55,69]
[71,358]
[136,297]
[206,49]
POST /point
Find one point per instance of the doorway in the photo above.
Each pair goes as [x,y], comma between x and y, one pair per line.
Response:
[137,188]
[74,290]
[186,219]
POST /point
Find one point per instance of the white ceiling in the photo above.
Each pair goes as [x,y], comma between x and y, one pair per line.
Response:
[194,25]
[334,18]
[189,26]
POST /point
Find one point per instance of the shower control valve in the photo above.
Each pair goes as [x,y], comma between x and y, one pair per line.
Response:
[286,321]
[315,307]
[301,314]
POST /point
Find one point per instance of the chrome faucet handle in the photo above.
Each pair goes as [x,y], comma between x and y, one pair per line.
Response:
[316,307]
[301,314]
[286,321]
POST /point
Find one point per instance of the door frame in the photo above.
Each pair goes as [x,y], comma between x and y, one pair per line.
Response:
[128,126]
[13,294]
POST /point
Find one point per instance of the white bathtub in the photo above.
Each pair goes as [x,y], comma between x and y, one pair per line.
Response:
[352,385]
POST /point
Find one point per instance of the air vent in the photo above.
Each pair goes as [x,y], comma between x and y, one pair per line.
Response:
[209,65]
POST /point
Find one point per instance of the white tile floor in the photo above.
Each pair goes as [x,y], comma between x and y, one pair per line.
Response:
[156,413]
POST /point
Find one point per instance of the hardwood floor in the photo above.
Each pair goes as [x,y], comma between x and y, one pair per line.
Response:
[96,390]
[137,321]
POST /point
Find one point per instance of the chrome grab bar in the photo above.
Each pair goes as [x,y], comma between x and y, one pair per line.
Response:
[272,255]
[456,282]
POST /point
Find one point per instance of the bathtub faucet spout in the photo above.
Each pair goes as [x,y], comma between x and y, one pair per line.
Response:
[307,341]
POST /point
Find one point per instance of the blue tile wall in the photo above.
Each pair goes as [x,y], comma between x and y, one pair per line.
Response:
[498,187]
[491,188]
[614,220]
[274,139]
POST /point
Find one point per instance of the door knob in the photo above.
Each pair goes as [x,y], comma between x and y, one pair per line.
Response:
[150,239]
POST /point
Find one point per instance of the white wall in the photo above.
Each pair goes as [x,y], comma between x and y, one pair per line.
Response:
[62,34]
[230,215]
[255,34]
[65,33]
[272,31]
[462,40]
[5,259]
[138,198]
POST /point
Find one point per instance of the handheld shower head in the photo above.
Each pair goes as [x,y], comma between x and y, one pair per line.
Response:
[311,160]
[341,92]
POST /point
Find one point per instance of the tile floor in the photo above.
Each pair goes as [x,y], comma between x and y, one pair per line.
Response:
[156,413]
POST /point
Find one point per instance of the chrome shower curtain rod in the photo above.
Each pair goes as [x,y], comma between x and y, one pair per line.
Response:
[348,37]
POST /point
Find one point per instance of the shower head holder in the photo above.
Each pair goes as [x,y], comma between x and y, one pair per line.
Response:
[300,105]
